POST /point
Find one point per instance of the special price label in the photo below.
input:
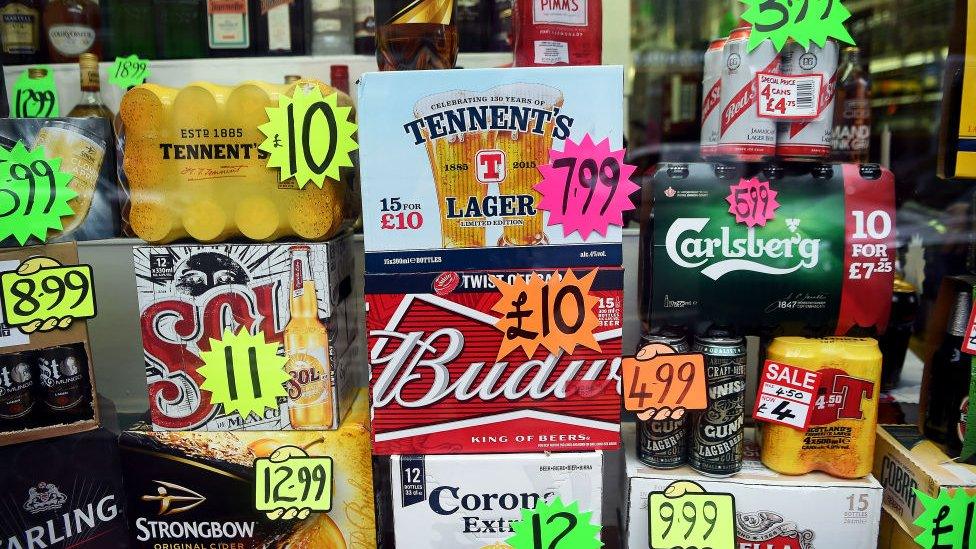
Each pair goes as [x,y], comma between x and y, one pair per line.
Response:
[586,187]
[664,381]
[684,516]
[43,295]
[129,71]
[947,520]
[802,20]
[786,395]
[34,194]
[290,484]
[558,313]
[785,97]
[35,97]
[243,373]
[309,137]
[555,525]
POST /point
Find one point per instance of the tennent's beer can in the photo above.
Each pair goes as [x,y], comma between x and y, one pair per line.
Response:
[717,438]
[810,139]
[712,99]
[663,444]
[743,136]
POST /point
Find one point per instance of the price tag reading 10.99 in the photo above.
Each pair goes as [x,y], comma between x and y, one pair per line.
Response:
[56,292]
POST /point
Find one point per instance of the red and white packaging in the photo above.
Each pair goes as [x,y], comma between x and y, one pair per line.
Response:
[786,395]
[557,32]
[744,136]
[813,138]
[438,386]
[712,98]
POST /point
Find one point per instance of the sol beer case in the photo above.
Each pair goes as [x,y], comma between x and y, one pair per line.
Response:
[450,159]
[296,294]
[199,489]
[195,171]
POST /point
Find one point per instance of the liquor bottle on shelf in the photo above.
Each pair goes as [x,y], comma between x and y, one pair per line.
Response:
[332,26]
[948,388]
[415,35]
[72,28]
[20,31]
[472,18]
[501,26]
[230,26]
[181,31]
[91,103]
[365,27]
[130,29]
[339,77]
[852,115]
[280,27]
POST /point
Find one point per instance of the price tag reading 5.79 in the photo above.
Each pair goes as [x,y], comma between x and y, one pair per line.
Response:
[55,292]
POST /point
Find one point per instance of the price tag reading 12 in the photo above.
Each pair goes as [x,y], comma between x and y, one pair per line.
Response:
[291,480]
[684,516]
[55,292]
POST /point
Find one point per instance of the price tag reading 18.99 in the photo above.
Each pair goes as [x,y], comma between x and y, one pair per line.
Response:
[48,293]
[684,516]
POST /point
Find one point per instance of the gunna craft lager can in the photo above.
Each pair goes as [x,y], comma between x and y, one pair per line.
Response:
[663,444]
[717,439]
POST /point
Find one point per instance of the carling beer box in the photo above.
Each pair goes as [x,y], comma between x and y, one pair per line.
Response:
[820,262]
[190,293]
[439,504]
[450,159]
[201,489]
[773,511]
[439,386]
[63,493]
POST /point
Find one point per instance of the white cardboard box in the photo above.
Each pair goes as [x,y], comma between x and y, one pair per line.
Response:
[773,511]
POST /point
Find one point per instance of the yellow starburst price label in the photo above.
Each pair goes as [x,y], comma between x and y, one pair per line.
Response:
[309,137]
[244,373]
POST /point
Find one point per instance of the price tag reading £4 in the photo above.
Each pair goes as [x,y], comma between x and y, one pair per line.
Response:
[789,97]
[684,516]
[291,484]
[786,394]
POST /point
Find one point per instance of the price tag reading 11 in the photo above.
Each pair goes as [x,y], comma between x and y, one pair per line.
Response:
[684,516]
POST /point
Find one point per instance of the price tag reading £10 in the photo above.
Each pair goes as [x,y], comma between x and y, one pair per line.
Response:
[789,97]
[786,394]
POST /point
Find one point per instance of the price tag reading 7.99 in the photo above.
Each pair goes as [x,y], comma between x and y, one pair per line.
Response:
[48,294]
[668,380]
[684,516]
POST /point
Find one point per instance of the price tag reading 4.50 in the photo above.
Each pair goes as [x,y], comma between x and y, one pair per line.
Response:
[309,137]
[786,394]
[672,381]
[290,484]
[801,20]
[48,293]
[684,516]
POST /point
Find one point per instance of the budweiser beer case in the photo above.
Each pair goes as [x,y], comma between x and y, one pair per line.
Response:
[773,511]
[63,493]
[200,489]
[822,264]
[190,293]
[463,148]
[438,385]
[438,504]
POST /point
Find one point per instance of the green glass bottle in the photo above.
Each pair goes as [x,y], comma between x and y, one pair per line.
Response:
[131,29]
[181,30]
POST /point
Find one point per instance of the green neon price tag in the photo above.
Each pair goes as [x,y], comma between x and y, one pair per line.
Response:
[35,97]
[802,20]
[42,295]
[244,373]
[309,137]
[554,525]
[291,484]
[129,71]
[947,521]
[34,194]
[684,516]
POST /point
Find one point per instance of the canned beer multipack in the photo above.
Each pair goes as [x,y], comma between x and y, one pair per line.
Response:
[296,294]
[439,386]
[451,158]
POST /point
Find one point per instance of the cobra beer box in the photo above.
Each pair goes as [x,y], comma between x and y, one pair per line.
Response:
[464,150]
[800,251]
[246,490]
[772,511]
[63,493]
[440,385]
[439,504]
[295,294]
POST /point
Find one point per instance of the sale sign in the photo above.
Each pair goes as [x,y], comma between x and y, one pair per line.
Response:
[786,395]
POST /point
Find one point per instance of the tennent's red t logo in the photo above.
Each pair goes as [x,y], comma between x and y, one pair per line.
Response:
[490,166]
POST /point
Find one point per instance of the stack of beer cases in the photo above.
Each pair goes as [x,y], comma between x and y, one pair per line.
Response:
[465,435]
[191,470]
[60,475]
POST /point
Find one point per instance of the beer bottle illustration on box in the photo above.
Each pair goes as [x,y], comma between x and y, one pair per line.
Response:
[310,404]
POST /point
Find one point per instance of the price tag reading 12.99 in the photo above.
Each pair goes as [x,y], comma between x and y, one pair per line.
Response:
[684,516]
[290,484]
[55,292]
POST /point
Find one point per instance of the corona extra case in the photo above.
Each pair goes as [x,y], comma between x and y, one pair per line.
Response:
[464,150]
[439,386]
[297,295]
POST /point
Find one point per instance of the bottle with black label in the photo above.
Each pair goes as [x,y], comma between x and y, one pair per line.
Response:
[281,27]
[473,19]
[65,390]
[419,35]
[17,389]
[948,389]
[20,32]
[230,26]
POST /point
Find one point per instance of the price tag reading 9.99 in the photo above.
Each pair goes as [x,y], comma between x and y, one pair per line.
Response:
[56,292]
[290,484]
[684,516]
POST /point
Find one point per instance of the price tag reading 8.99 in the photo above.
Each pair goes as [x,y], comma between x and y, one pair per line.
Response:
[49,293]
[684,516]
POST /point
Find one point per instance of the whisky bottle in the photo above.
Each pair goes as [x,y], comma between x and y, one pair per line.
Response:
[180,28]
[281,27]
[91,103]
[130,28]
[230,26]
[71,27]
[20,31]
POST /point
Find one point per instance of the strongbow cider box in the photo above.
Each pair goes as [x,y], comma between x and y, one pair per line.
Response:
[439,386]
[450,159]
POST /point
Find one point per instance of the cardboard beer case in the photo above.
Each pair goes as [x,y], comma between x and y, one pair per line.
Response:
[449,160]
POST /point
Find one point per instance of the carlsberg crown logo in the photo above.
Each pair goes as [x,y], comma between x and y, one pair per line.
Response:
[718,256]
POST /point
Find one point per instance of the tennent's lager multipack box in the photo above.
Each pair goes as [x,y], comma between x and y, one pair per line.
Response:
[210,489]
[821,261]
[439,385]
[297,295]
[470,501]
[450,159]
[773,511]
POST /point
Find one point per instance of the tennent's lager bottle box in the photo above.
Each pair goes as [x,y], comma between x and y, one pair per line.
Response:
[297,295]
[450,159]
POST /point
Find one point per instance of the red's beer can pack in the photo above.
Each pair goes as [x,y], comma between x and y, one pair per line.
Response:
[712,98]
[810,139]
[743,135]
[439,386]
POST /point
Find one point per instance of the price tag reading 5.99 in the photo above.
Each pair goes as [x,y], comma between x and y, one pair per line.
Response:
[56,292]
[684,516]
[291,480]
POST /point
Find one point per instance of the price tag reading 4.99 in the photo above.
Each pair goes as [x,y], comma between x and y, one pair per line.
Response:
[290,484]
[684,516]
[673,381]
[54,292]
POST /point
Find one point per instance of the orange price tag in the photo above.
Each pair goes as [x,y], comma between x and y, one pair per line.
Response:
[558,313]
[672,381]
